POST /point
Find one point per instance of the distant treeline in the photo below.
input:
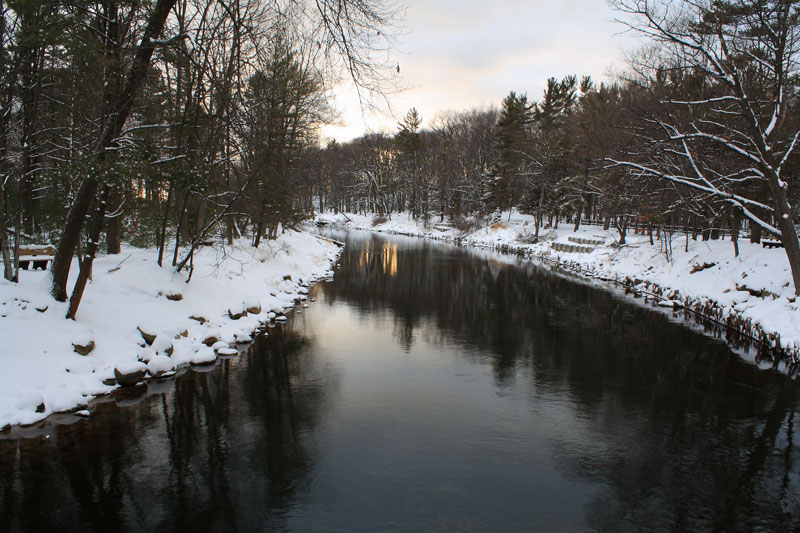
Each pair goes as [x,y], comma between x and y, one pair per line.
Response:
[167,122]
[699,135]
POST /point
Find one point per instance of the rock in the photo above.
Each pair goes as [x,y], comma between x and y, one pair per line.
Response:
[236,315]
[146,354]
[84,413]
[130,373]
[281,318]
[30,401]
[211,340]
[148,332]
[228,351]
[200,319]
[109,382]
[204,358]
[184,333]
[163,344]
[698,268]
[175,297]
[160,365]
[83,349]
[253,306]
[287,277]
[217,346]
[71,408]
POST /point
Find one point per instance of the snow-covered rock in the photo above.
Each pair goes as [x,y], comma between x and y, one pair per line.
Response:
[252,305]
[83,343]
[204,357]
[129,373]
[148,331]
[162,344]
[160,365]
[30,401]
[146,354]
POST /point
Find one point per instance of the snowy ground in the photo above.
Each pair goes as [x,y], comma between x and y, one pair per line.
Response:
[41,374]
[755,287]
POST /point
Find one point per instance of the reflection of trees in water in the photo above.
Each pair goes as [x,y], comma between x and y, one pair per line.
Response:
[710,438]
[219,451]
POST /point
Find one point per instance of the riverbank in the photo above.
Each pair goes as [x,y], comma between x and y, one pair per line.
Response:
[136,316]
[752,293]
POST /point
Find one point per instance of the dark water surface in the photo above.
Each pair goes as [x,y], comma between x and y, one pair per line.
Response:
[432,388]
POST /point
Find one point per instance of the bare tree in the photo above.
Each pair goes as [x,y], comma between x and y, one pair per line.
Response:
[745,53]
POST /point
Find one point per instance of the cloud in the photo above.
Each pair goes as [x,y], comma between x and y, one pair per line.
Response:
[463,54]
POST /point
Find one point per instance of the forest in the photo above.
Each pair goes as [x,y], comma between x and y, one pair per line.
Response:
[174,124]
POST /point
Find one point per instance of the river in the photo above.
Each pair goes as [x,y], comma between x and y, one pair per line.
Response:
[430,387]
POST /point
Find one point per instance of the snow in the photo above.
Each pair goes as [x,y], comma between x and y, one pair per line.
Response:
[203,357]
[729,284]
[146,354]
[82,338]
[160,364]
[38,364]
[130,367]
[162,344]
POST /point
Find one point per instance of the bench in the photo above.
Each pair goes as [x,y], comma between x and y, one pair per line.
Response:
[768,243]
[39,255]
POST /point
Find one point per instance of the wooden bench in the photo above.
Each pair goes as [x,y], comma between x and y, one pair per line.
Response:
[37,254]
[768,243]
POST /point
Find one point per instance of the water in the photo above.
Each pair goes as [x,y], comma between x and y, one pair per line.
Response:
[432,388]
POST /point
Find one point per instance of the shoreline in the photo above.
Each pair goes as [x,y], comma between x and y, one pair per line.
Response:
[141,317]
[775,348]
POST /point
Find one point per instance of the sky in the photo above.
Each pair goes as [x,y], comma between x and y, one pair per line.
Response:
[463,54]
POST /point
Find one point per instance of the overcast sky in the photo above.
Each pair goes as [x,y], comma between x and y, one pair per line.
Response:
[460,54]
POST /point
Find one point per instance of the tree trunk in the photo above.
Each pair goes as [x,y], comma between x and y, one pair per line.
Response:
[788,236]
[735,223]
[8,268]
[179,229]
[578,216]
[96,227]
[162,238]
[69,238]
[755,233]
[622,228]
[115,121]
[30,64]
[113,245]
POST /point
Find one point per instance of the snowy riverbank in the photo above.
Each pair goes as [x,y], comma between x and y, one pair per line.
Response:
[41,374]
[753,292]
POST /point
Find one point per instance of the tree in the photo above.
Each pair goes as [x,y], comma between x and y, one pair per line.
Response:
[116,111]
[511,138]
[745,56]
[410,144]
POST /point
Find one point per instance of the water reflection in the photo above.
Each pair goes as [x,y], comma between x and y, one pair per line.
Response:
[433,388]
[677,429]
[225,450]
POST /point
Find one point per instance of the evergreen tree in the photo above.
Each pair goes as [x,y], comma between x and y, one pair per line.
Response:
[511,138]
[544,190]
[410,145]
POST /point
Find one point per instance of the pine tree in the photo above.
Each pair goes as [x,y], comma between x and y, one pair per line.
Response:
[410,144]
[511,139]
